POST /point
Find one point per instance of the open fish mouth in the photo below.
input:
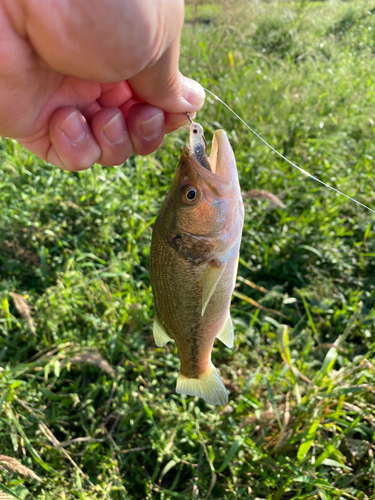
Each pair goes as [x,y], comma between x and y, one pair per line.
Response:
[221,154]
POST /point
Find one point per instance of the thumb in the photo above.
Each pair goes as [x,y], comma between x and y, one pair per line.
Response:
[173,92]
[160,83]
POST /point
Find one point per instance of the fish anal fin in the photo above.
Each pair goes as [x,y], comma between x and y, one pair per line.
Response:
[160,335]
[226,334]
[210,280]
[209,386]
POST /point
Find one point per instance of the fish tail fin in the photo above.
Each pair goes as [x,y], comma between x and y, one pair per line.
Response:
[209,386]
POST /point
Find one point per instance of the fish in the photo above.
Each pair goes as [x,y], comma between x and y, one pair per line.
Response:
[194,259]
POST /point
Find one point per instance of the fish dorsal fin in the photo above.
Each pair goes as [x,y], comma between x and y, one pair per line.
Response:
[226,334]
[210,281]
[160,335]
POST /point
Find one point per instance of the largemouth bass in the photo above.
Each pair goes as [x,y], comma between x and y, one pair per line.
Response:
[194,260]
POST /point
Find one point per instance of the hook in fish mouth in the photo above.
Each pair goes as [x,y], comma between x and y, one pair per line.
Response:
[190,120]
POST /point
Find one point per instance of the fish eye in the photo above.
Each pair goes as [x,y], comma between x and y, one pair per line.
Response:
[195,131]
[189,194]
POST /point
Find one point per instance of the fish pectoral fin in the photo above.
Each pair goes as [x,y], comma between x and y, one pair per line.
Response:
[160,335]
[226,334]
[210,281]
[209,386]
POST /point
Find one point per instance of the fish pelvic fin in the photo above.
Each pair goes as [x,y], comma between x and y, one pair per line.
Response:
[210,281]
[226,334]
[160,336]
[209,386]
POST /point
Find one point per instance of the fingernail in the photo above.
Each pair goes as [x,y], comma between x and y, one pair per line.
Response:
[114,131]
[74,127]
[193,93]
[151,128]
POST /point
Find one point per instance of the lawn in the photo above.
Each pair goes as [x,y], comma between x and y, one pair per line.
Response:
[87,401]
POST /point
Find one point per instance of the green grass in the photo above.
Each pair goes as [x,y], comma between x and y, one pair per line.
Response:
[88,402]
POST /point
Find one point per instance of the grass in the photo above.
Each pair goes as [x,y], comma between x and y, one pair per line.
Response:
[87,402]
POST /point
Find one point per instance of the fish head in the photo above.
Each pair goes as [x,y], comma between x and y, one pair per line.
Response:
[204,210]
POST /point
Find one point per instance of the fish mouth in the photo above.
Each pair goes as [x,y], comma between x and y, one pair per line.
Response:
[222,175]
[221,156]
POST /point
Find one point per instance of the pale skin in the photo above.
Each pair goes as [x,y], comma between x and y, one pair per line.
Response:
[92,80]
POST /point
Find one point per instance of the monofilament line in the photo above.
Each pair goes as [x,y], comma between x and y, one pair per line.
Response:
[286,159]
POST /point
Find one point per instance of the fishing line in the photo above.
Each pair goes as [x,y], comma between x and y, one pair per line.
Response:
[286,159]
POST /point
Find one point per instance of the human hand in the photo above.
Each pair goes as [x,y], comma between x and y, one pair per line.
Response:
[53,56]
